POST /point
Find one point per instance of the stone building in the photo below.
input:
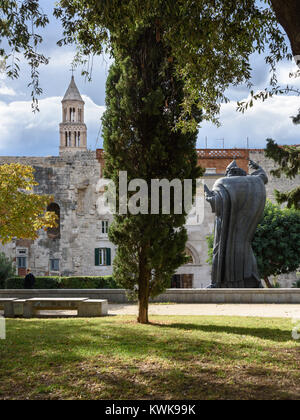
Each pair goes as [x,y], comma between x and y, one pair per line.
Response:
[79,246]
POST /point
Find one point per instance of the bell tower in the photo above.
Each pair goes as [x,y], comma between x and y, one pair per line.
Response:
[73,131]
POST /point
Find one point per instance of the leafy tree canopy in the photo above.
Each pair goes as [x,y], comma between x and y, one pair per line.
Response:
[210,41]
[7,269]
[277,241]
[19,21]
[22,213]
[140,137]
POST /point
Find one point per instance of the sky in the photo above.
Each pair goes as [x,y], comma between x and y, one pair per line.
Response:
[23,133]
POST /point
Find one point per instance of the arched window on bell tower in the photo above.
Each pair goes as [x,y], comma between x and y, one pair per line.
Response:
[72,115]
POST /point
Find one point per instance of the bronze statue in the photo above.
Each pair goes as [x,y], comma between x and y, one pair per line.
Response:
[238,200]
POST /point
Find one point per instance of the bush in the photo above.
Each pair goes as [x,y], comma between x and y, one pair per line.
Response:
[210,244]
[296,285]
[105,282]
[277,241]
[7,269]
[40,283]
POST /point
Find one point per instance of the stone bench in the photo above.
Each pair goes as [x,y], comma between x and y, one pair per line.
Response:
[85,307]
[7,305]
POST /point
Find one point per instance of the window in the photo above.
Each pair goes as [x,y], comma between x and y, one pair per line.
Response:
[22,262]
[72,114]
[182,281]
[102,257]
[105,227]
[78,139]
[189,255]
[54,265]
[69,139]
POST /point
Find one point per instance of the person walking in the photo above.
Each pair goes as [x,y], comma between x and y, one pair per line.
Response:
[29,280]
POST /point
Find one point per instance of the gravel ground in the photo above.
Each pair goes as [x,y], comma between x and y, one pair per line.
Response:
[257,310]
[260,310]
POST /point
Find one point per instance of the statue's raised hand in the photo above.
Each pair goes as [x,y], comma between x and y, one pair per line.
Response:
[208,194]
[253,165]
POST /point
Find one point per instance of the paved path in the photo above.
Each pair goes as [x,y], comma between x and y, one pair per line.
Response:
[260,310]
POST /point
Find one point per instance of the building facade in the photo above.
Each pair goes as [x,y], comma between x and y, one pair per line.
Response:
[79,246]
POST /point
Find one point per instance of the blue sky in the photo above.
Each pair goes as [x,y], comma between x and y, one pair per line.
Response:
[23,133]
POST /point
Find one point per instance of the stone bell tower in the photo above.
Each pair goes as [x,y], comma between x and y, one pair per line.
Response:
[73,131]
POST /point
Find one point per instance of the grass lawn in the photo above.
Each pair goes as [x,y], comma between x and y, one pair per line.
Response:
[187,357]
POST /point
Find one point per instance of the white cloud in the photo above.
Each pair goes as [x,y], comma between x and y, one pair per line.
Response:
[6,91]
[24,133]
[270,119]
[284,71]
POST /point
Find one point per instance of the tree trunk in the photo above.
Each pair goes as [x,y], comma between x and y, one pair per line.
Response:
[288,15]
[268,284]
[143,311]
[144,288]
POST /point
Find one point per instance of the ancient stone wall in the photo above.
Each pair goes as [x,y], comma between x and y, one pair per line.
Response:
[72,180]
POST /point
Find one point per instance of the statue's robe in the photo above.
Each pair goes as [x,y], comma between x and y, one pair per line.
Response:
[239,205]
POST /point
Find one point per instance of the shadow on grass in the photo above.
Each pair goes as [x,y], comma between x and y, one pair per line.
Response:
[111,359]
[271,334]
[67,341]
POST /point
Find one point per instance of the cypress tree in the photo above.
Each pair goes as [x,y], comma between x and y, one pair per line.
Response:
[144,104]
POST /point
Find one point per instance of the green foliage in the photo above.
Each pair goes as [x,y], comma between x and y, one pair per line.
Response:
[22,213]
[276,285]
[40,283]
[296,285]
[19,22]
[7,269]
[296,119]
[210,244]
[211,42]
[144,100]
[105,282]
[288,159]
[276,243]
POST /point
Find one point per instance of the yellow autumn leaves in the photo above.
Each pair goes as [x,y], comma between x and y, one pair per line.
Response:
[22,211]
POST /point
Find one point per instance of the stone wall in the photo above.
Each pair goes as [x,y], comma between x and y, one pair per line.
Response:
[72,180]
[276,296]
[197,234]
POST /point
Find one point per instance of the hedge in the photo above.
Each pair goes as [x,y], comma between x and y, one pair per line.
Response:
[105,282]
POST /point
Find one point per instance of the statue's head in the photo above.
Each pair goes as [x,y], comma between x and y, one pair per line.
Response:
[234,170]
